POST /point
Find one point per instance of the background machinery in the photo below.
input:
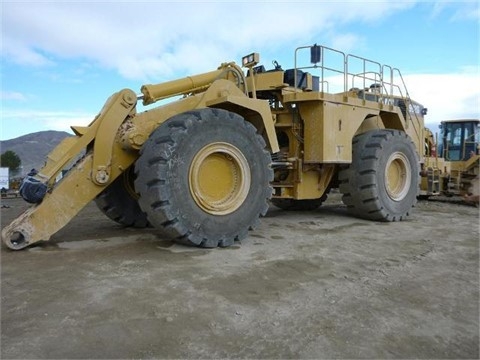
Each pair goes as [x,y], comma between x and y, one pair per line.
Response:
[203,168]
[451,165]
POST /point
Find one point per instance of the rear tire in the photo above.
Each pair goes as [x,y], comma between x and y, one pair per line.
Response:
[119,202]
[382,182]
[204,178]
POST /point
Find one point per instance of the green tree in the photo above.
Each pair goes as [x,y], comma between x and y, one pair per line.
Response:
[11,160]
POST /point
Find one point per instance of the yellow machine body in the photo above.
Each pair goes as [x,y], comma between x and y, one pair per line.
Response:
[306,127]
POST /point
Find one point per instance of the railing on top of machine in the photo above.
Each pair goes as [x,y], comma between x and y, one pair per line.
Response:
[372,80]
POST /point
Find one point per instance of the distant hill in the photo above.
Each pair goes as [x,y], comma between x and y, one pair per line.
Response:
[33,148]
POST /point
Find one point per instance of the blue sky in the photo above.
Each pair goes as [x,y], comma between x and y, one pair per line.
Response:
[62,59]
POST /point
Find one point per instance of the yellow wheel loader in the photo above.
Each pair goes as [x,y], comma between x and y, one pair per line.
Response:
[204,167]
[452,163]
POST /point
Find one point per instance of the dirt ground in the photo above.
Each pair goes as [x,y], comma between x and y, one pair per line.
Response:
[319,284]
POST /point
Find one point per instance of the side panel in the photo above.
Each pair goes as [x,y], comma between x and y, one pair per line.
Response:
[329,129]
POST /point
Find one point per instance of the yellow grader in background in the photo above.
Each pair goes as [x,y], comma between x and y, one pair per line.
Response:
[451,165]
[203,168]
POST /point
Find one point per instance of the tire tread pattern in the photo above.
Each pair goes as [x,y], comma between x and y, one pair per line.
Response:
[156,187]
[118,204]
[359,183]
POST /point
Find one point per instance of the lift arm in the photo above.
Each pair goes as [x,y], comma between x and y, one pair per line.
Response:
[110,144]
[82,183]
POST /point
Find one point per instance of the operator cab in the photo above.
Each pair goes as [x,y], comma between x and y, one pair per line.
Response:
[459,139]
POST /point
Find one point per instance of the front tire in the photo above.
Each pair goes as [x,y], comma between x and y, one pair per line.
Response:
[204,178]
[382,182]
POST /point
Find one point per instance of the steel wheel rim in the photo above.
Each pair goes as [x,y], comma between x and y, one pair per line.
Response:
[398,176]
[219,178]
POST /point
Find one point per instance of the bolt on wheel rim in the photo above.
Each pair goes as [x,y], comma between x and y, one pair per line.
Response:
[398,176]
[219,178]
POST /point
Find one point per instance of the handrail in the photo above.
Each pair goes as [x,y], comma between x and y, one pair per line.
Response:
[364,63]
[389,81]
[384,75]
[322,65]
[407,97]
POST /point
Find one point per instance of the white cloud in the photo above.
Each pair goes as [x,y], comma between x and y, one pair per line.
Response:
[470,9]
[347,42]
[151,39]
[23,54]
[447,96]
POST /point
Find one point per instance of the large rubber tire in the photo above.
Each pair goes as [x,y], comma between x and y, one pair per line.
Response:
[204,178]
[382,182]
[120,202]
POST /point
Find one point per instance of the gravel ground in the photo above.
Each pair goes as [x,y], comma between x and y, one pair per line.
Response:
[319,284]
